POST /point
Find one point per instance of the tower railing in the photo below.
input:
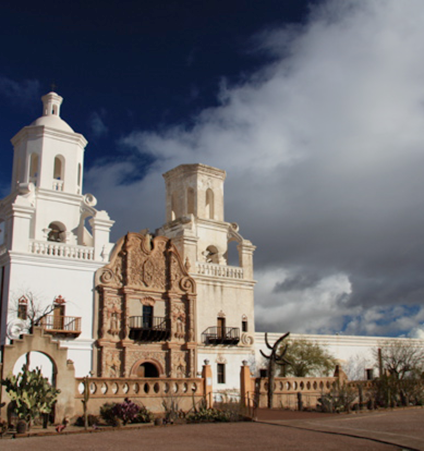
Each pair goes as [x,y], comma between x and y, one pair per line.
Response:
[62,250]
[215,270]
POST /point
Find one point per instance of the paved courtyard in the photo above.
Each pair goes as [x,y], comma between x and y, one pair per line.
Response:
[275,430]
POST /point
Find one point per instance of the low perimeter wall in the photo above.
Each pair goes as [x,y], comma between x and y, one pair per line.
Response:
[153,393]
[286,390]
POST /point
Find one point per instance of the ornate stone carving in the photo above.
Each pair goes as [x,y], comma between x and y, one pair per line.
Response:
[135,356]
[179,364]
[149,270]
[178,321]
[113,317]
[246,339]
[112,363]
[221,359]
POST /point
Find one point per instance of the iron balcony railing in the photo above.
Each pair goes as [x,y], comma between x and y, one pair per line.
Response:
[54,324]
[149,328]
[221,336]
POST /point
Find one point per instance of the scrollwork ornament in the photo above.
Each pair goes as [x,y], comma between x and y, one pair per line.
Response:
[247,340]
[187,284]
[107,276]
[16,328]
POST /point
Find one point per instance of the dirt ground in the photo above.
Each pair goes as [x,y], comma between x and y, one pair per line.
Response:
[274,430]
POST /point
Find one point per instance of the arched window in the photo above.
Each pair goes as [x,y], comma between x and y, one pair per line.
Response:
[23,308]
[190,201]
[233,258]
[173,206]
[58,173]
[79,174]
[244,324]
[58,168]
[33,167]
[212,254]
[210,213]
[57,232]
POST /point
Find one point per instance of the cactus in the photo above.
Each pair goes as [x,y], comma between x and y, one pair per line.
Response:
[275,358]
[30,393]
[85,400]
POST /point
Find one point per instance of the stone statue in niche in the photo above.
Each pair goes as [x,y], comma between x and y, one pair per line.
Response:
[179,317]
[113,365]
[179,366]
[113,318]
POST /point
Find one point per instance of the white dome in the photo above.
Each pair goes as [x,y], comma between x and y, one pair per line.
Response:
[53,122]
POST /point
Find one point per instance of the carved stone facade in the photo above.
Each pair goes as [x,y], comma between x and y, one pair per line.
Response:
[145,307]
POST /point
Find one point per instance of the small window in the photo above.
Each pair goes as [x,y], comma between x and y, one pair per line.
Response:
[221,373]
[147,316]
[58,169]
[173,206]
[210,211]
[190,201]
[33,170]
[23,308]
[244,327]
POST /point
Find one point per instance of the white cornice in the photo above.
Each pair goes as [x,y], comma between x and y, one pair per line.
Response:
[45,131]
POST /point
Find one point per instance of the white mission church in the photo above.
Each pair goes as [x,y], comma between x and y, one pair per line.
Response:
[149,305]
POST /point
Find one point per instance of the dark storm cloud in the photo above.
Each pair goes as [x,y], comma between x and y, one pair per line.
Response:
[297,282]
[324,150]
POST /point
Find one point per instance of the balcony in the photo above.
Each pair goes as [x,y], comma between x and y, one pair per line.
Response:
[221,336]
[150,328]
[62,325]
[61,250]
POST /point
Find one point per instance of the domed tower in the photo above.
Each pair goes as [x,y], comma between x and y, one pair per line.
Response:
[53,238]
[49,153]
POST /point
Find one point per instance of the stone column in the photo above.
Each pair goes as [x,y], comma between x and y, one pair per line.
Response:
[208,386]
[246,385]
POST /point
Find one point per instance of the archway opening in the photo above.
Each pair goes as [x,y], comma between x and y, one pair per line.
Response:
[37,359]
[57,232]
[147,369]
[233,254]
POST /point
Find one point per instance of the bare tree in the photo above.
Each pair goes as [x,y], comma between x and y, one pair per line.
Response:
[401,378]
[401,359]
[28,307]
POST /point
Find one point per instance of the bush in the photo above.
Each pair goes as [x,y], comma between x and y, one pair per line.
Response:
[127,412]
[144,416]
[92,420]
[108,415]
[204,415]
[339,399]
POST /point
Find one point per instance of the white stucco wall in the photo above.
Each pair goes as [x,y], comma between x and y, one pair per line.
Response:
[355,353]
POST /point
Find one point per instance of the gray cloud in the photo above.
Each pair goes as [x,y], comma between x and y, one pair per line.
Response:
[97,125]
[297,282]
[323,148]
[20,93]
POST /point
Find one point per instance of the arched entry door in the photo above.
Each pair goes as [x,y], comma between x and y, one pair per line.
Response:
[147,369]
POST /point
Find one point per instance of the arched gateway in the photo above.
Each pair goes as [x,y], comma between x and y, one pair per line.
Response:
[145,307]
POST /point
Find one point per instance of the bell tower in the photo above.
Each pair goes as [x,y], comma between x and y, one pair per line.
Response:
[53,238]
[48,153]
[195,223]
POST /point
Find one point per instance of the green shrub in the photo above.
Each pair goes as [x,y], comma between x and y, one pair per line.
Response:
[92,420]
[204,415]
[126,412]
[108,415]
